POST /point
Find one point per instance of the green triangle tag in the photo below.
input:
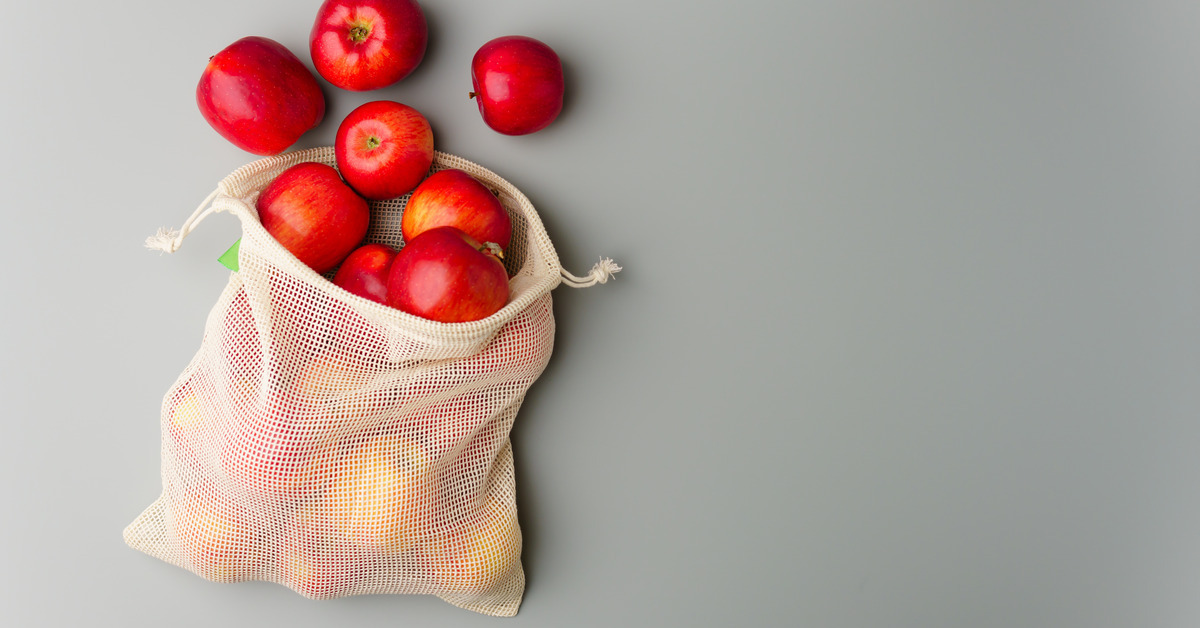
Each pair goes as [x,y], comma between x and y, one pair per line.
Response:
[230,258]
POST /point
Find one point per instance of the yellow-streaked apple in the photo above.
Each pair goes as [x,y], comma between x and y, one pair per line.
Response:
[216,536]
[382,494]
[363,45]
[383,149]
[184,420]
[480,553]
[315,561]
[454,198]
[311,211]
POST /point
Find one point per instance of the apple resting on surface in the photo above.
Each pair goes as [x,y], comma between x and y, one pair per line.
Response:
[384,149]
[446,275]
[314,215]
[258,95]
[362,45]
[365,272]
[518,83]
[456,199]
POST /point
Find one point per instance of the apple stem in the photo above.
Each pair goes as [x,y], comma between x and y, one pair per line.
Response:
[471,95]
[169,240]
[493,248]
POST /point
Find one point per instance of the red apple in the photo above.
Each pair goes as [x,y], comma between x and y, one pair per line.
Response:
[518,84]
[315,561]
[365,272]
[382,497]
[384,149]
[314,215]
[259,96]
[481,554]
[336,388]
[362,45]
[522,347]
[456,199]
[216,536]
[446,275]
[279,456]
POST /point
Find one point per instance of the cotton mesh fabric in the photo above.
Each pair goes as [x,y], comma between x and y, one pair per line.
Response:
[341,447]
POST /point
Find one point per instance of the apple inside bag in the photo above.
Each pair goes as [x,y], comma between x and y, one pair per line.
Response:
[337,446]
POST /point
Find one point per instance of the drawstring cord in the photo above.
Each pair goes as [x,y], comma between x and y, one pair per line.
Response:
[601,273]
[168,240]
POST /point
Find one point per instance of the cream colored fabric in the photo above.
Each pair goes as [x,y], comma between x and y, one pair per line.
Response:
[340,447]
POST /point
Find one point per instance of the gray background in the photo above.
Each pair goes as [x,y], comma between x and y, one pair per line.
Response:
[907,334]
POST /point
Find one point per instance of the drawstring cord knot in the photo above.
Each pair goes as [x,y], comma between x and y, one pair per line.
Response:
[600,273]
[168,240]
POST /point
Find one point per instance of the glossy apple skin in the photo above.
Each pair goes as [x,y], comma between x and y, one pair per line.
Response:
[518,83]
[258,95]
[456,199]
[362,45]
[365,272]
[384,149]
[442,275]
[314,215]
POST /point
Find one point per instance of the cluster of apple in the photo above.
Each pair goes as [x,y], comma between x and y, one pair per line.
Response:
[317,484]
[261,97]
[455,229]
[342,507]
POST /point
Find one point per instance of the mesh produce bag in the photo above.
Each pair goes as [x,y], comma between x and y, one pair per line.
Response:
[341,447]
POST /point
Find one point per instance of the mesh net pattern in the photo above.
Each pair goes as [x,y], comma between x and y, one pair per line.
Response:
[340,447]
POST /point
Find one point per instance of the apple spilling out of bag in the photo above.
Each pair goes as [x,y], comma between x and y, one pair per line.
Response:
[261,97]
